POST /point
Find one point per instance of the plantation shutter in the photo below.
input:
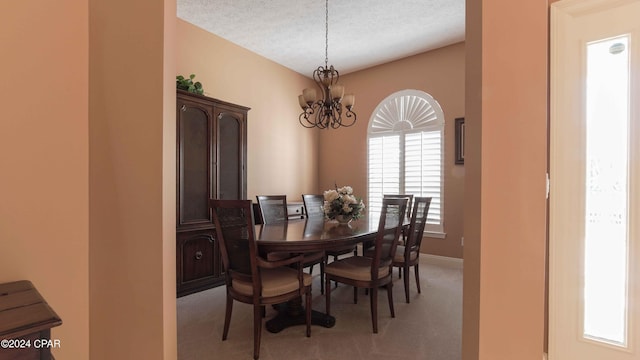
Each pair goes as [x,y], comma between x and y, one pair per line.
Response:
[423,171]
[405,152]
[384,167]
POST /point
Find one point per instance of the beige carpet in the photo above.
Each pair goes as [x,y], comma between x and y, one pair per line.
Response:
[428,328]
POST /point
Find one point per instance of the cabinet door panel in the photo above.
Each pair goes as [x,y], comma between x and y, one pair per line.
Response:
[194,164]
[229,157]
[198,257]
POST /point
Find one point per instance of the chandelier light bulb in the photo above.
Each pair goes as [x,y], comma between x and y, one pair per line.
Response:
[309,95]
[336,92]
[302,102]
[349,100]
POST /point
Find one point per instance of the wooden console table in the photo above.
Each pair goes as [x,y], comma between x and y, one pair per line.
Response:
[25,323]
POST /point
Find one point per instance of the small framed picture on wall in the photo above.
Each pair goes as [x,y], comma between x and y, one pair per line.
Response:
[459,141]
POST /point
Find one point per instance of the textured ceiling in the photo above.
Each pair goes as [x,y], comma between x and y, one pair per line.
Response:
[362,33]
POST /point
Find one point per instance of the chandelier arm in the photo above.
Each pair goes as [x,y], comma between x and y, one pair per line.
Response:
[336,76]
[336,114]
[316,114]
[336,123]
[320,118]
[305,115]
[317,75]
[350,114]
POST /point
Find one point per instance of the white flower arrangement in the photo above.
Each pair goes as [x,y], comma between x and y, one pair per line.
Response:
[342,203]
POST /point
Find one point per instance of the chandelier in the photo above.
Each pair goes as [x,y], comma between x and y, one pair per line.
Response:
[327,111]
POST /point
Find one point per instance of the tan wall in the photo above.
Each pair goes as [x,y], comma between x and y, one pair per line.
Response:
[343,152]
[44,199]
[132,180]
[505,183]
[169,320]
[282,154]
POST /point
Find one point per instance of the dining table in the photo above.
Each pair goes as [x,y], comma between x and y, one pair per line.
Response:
[310,235]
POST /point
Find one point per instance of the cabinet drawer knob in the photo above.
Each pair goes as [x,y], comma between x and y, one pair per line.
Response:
[198,255]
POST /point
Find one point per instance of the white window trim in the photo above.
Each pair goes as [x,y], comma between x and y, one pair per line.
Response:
[434,235]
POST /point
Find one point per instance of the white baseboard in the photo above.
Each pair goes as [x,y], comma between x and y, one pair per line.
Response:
[442,260]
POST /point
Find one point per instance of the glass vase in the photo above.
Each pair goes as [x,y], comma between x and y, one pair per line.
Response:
[343,219]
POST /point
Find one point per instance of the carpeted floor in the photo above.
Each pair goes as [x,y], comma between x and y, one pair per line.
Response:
[428,328]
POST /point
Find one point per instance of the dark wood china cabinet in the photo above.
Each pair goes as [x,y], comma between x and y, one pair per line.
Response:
[211,151]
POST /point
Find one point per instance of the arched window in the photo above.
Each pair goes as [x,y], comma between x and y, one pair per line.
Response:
[405,151]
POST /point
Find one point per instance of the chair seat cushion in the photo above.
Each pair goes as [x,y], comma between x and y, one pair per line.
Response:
[274,282]
[354,267]
[399,257]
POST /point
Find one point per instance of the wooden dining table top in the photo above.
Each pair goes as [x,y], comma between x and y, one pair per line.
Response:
[308,235]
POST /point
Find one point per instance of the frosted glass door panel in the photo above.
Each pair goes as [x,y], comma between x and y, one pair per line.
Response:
[606,218]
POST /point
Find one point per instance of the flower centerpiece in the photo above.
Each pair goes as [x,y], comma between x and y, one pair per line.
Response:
[340,204]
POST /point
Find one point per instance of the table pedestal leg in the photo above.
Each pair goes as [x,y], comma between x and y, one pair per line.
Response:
[293,313]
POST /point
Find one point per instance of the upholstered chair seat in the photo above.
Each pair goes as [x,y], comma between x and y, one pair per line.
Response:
[275,282]
[354,267]
[400,255]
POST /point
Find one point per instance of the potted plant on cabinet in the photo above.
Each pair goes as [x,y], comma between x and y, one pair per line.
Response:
[187,84]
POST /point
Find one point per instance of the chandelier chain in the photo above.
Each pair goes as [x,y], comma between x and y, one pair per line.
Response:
[326,34]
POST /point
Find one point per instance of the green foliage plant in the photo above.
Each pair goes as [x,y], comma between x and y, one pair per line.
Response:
[187,84]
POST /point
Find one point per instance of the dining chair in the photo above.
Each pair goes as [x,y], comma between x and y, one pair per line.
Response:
[408,255]
[367,245]
[273,208]
[371,272]
[313,207]
[249,278]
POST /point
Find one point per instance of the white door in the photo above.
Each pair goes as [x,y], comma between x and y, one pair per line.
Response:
[594,262]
